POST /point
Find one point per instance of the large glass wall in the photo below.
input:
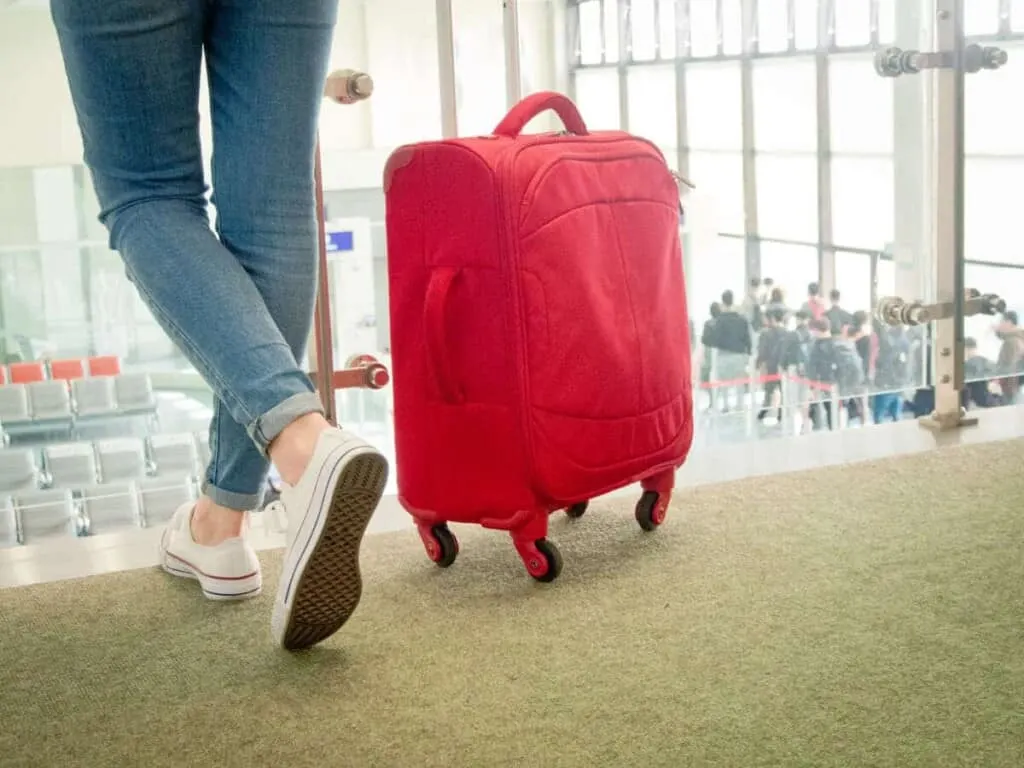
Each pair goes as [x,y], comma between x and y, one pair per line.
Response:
[774,110]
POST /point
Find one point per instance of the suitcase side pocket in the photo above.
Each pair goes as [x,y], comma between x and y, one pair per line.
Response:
[439,358]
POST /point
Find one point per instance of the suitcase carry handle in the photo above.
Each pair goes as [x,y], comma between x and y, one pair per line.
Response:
[434,307]
[533,105]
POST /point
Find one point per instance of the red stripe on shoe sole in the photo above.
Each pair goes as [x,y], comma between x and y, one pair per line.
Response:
[199,572]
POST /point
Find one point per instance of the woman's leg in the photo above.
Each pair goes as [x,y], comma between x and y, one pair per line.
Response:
[264,132]
[134,74]
[134,70]
[267,63]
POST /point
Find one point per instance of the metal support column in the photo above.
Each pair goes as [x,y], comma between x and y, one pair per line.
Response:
[948,348]
[945,65]
[513,70]
[446,68]
[913,147]
[682,54]
[682,38]
[625,58]
[826,253]
[750,229]
[569,14]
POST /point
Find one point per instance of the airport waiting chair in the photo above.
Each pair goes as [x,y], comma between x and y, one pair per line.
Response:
[70,465]
[134,393]
[19,470]
[45,514]
[161,496]
[14,407]
[104,365]
[49,400]
[93,397]
[67,370]
[110,507]
[121,459]
[27,373]
[173,455]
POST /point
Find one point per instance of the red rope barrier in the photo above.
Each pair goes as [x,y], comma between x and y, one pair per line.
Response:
[819,385]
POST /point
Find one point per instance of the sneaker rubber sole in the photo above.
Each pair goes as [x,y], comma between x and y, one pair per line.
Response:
[321,583]
[214,588]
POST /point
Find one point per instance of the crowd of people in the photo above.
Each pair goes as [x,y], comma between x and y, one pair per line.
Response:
[813,354]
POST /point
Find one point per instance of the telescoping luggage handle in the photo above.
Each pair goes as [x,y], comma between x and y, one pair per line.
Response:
[533,105]
[363,371]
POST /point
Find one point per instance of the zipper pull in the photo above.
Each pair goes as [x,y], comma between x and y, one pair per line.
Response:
[681,181]
[685,185]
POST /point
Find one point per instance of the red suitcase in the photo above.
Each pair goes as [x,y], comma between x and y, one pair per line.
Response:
[538,325]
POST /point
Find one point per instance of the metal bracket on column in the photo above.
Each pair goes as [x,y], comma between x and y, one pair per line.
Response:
[893,62]
[893,310]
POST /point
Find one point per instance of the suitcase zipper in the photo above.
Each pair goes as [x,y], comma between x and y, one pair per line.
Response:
[545,170]
[509,264]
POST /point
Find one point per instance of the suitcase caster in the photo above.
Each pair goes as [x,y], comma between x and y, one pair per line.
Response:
[652,508]
[542,559]
[441,545]
[576,510]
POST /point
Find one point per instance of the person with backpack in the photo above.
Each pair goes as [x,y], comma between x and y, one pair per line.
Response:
[850,377]
[892,374]
[772,351]
[814,307]
[706,339]
[797,389]
[839,319]
[820,372]
[865,341]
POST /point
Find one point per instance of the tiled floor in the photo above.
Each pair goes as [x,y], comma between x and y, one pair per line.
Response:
[66,557]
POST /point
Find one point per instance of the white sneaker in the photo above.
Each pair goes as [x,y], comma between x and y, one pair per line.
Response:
[228,571]
[328,511]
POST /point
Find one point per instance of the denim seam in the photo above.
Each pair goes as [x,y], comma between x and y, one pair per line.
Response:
[213,470]
[223,388]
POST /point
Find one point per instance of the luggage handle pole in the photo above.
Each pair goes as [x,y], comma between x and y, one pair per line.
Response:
[533,105]
[345,86]
[323,352]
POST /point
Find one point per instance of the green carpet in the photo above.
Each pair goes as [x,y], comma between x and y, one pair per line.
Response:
[869,615]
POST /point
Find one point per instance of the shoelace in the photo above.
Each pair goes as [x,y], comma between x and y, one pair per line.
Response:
[275,517]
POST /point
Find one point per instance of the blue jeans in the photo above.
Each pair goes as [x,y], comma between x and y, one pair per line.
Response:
[239,303]
[888,404]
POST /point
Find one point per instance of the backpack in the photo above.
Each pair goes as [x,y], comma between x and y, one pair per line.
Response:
[849,369]
[892,365]
[774,343]
[796,346]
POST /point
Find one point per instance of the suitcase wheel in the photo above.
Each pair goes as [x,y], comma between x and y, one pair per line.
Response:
[652,508]
[542,559]
[577,510]
[441,545]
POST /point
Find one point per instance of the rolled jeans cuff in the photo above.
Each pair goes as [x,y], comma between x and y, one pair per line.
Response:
[243,502]
[268,426]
